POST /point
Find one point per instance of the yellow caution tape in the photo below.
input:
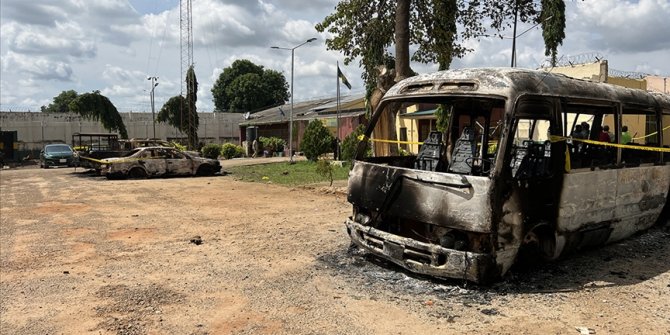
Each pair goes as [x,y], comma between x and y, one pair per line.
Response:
[652,134]
[363,138]
[555,138]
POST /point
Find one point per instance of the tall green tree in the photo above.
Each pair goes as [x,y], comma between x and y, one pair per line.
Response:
[245,86]
[61,102]
[180,112]
[172,113]
[365,29]
[553,27]
[95,106]
[192,113]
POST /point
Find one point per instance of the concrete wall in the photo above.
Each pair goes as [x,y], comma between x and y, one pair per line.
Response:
[593,71]
[36,129]
[658,84]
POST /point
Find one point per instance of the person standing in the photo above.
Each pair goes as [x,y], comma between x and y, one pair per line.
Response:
[604,135]
[625,135]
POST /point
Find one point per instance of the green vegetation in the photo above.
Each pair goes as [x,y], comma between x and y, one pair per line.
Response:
[61,102]
[90,106]
[211,151]
[180,112]
[245,86]
[316,141]
[95,106]
[272,144]
[231,150]
[325,169]
[300,173]
[178,145]
[350,144]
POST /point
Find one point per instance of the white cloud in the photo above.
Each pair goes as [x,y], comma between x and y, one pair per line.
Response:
[65,39]
[48,46]
[625,26]
[37,67]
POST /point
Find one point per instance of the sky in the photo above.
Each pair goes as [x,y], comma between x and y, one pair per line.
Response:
[49,46]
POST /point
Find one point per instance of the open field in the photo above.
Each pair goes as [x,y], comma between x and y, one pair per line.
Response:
[81,254]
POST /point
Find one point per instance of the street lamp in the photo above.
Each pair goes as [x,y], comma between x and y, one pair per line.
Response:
[290,115]
[151,95]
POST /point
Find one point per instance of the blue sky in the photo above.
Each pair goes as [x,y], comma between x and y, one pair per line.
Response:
[48,46]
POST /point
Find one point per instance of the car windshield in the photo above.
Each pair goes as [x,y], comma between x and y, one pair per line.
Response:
[57,148]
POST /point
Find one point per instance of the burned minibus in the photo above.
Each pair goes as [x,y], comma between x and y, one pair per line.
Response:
[518,171]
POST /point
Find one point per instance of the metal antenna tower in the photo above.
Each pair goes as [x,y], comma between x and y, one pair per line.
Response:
[186,38]
[186,42]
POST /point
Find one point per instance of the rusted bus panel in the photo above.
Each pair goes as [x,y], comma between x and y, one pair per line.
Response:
[586,197]
[424,258]
[611,196]
[441,199]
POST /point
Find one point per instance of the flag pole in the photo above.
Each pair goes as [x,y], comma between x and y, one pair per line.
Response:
[338,100]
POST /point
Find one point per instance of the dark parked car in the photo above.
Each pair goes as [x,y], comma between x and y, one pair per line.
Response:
[58,155]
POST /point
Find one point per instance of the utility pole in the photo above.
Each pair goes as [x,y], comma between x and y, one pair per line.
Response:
[152,96]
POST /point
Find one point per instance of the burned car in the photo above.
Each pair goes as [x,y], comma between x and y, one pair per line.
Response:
[148,162]
[515,172]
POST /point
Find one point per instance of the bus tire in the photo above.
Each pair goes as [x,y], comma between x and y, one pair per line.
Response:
[538,245]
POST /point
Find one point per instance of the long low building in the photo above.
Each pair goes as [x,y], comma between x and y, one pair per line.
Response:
[341,119]
[23,134]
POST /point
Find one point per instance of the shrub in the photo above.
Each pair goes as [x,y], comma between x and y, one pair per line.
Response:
[272,144]
[211,151]
[325,169]
[350,145]
[316,141]
[231,150]
[179,146]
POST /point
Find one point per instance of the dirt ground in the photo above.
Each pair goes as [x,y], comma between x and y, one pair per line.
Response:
[81,254]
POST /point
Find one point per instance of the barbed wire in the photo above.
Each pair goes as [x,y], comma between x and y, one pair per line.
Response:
[572,60]
[627,74]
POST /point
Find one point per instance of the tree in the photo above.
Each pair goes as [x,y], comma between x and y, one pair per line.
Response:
[553,27]
[95,106]
[245,86]
[60,102]
[316,141]
[180,111]
[191,126]
[365,29]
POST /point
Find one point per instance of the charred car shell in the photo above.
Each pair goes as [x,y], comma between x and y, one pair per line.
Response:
[158,162]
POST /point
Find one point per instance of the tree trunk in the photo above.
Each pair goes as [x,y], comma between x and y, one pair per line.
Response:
[402,69]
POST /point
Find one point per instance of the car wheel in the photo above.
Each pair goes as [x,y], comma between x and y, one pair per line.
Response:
[205,170]
[137,173]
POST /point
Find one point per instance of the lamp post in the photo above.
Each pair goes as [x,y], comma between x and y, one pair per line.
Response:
[290,115]
[151,95]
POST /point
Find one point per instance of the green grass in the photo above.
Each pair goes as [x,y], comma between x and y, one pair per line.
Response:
[300,173]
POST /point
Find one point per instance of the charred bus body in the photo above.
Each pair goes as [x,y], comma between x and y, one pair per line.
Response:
[513,175]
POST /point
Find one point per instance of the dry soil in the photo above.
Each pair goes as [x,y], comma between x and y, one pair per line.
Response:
[213,255]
